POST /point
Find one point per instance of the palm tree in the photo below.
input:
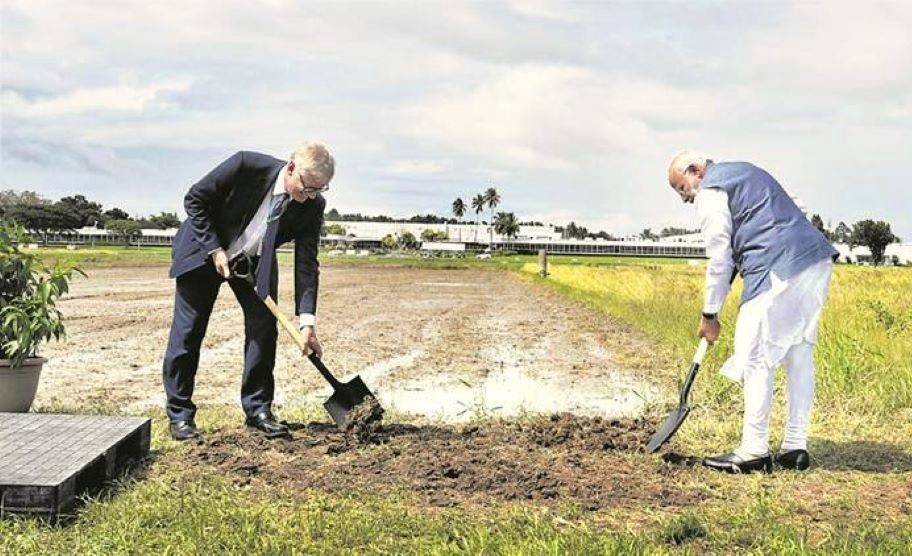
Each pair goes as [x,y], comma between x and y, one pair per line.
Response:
[478,203]
[492,199]
[505,224]
[459,208]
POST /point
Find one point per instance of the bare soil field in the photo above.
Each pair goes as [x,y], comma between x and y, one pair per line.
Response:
[444,344]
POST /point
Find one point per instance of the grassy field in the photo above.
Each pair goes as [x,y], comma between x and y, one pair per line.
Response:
[863,411]
[864,356]
[857,498]
[169,510]
[116,256]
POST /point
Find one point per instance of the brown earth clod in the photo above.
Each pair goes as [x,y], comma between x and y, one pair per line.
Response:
[364,421]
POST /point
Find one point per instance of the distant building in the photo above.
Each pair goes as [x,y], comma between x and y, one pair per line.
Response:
[861,254]
[91,236]
[471,237]
[472,233]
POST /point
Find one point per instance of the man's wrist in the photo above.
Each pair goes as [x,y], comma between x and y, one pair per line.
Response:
[710,316]
[307,319]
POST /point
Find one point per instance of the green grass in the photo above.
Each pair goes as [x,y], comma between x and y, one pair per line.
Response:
[107,256]
[175,509]
[167,515]
[850,503]
[110,256]
[864,353]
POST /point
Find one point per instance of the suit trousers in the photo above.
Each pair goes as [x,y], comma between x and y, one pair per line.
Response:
[195,295]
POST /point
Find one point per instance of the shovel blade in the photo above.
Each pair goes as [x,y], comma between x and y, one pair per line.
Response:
[345,398]
[668,428]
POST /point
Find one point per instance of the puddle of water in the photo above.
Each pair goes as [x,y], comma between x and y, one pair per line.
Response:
[372,375]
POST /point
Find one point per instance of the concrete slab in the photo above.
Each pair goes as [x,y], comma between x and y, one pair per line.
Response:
[47,461]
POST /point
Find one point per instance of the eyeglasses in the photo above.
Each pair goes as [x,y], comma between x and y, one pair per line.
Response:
[308,189]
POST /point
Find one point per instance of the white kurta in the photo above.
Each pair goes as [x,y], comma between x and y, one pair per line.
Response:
[778,325]
[770,323]
[783,316]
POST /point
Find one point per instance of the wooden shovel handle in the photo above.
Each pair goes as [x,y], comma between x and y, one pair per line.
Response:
[287,324]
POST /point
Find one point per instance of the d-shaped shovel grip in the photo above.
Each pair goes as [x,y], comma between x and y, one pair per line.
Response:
[241,267]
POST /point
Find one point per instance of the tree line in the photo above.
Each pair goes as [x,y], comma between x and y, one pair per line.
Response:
[41,215]
[876,235]
[336,216]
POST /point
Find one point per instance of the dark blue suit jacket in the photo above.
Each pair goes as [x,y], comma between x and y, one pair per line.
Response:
[221,205]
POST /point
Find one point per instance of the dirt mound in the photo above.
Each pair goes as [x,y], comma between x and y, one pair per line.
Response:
[595,462]
[364,421]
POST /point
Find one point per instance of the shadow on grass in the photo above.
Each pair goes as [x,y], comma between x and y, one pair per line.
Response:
[859,455]
[867,456]
[132,472]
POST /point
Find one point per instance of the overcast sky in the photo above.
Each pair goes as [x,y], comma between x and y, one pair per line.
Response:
[572,110]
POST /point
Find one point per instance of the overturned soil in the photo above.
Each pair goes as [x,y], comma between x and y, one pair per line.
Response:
[364,421]
[593,462]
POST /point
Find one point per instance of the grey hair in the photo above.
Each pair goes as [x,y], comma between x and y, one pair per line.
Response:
[314,158]
[684,160]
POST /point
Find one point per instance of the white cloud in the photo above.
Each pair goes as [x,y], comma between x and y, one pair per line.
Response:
[836,47]
[545,9]
[549,117]
[118,98]
[571,109]
[414,168]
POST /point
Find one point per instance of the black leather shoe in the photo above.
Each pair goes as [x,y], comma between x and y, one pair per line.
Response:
[794,459]
[265,422]
[184,430]
[733,463]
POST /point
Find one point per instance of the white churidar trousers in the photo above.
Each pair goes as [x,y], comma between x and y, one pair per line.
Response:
[778,326]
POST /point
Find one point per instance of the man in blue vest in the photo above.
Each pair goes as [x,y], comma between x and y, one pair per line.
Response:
[247,206]
[751,223]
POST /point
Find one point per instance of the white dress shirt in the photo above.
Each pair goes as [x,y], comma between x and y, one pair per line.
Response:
[251,239]
[716,225]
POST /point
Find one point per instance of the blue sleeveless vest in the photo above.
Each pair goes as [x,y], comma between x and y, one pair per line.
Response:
[769,231]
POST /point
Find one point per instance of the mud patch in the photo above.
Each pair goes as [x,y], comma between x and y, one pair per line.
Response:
[594,462]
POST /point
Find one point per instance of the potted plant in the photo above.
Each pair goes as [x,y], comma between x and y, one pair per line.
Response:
[28,315]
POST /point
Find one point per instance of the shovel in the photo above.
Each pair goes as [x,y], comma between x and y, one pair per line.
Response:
[346,395]
[673,421]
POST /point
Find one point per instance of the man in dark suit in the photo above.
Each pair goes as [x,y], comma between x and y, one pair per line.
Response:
[247,206]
